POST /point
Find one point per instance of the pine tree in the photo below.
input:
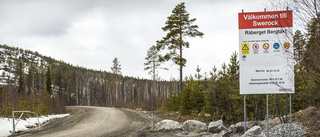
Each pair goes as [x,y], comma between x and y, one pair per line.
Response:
[116,70]
[48,82]
[312,54]
[299,43]
[178,27]
[21,77]
[173,102]
[153,63]
[233,67]
[222,90]
[30,77]
[186,102]
[301,82]
[235,109]
[197,94]
[193,94]
[210,94]
[222,94]
[311,59]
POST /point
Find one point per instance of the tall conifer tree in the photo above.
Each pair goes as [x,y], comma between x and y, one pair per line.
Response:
[48,82]
[116,69]
[179,26]
[21,77]
[153,63]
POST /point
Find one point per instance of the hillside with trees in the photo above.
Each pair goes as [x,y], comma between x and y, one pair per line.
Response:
[31,81]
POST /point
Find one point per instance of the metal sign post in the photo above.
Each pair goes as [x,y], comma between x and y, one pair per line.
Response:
[290,118]
[265,56]
[280,116]
[267,115]
[244,114]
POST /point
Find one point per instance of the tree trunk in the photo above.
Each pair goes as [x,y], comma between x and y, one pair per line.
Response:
[32,83]
[153,87]
[117,92]
[181,65]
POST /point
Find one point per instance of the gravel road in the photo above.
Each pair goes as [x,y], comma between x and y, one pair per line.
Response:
[93,122]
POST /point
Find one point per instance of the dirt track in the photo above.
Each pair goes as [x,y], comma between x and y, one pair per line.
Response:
[94,121]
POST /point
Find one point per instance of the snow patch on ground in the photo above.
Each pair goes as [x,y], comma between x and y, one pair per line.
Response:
[6,124]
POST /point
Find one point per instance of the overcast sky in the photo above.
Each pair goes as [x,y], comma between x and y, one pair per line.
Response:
[91,33]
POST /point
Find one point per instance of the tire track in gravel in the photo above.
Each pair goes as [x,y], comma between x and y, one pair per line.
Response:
[94,122]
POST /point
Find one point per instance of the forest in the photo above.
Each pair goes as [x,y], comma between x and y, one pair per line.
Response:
[30,81]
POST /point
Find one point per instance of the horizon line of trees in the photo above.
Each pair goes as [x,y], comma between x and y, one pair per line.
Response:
[41,84]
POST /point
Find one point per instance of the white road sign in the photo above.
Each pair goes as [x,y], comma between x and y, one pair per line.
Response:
[266,52]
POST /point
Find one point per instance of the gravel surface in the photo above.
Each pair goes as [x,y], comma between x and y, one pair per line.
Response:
[93,122]
[283,130]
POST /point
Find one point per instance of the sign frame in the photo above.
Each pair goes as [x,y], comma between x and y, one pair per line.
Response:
[265,68]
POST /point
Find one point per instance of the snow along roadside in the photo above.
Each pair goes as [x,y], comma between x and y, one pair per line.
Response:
[6,123]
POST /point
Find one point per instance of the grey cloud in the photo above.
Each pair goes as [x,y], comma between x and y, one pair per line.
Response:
[40,18]
[91,33]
